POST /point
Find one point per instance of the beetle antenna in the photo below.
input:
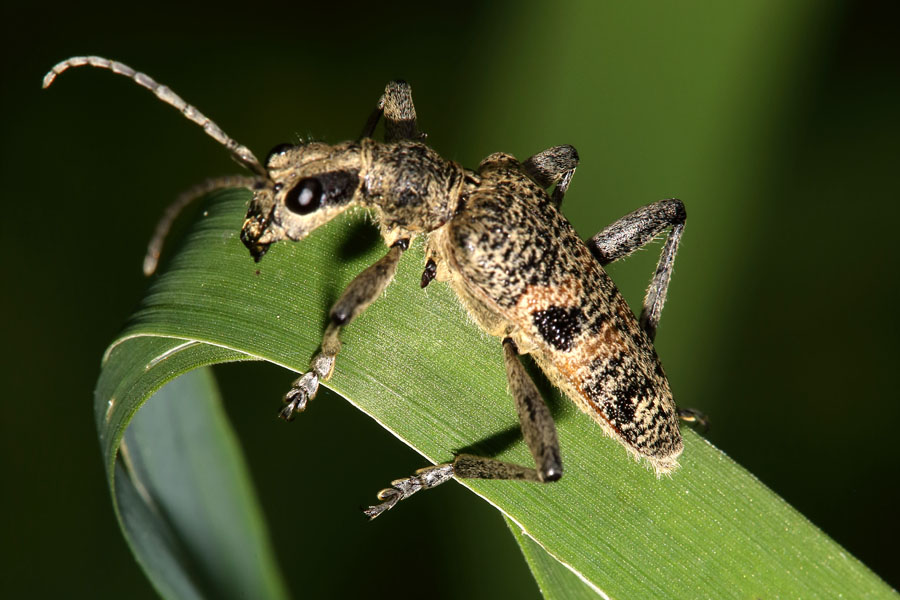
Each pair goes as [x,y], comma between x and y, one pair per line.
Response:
[154,248]
[239,152]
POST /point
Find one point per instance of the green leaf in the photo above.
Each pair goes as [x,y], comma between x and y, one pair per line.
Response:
[553,578]
[418,365]
[184,497]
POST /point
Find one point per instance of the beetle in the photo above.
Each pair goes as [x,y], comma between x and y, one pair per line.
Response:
[496,236]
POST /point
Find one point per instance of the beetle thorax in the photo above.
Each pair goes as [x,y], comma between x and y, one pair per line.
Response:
[411,187]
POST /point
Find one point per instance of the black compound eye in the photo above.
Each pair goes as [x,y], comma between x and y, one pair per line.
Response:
[305,197]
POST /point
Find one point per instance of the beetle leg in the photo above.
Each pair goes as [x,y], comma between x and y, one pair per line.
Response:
[396,105]
[538,430]
[362,291]
[554,165]
[633,231]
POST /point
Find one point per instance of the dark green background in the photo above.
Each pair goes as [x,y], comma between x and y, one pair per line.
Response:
[775,122]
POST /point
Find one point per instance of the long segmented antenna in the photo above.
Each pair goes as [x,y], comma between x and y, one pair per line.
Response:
[240,153]
[154,248]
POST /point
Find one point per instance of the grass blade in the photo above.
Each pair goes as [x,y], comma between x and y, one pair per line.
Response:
[415,363]
[185,500]
[553,579]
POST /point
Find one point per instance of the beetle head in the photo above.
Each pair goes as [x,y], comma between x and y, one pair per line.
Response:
[310,185]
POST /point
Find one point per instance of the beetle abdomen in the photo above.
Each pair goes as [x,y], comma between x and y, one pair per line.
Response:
[515,253]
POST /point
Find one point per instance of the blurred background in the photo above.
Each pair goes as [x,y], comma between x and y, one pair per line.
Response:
[775,122]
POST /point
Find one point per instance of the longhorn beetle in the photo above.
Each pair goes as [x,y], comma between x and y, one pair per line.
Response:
[498,238]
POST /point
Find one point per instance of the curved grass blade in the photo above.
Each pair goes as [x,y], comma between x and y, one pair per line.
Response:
[417,364]
[185,500]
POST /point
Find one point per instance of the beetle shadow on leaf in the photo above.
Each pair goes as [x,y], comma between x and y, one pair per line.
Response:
[492,445]
[360,239]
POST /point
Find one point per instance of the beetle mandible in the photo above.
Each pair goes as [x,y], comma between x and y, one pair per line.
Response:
[497,237]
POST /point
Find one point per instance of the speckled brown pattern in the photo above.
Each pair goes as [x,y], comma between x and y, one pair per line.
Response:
[523,272]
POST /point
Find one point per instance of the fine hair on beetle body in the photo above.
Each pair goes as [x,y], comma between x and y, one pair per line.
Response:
[496,235]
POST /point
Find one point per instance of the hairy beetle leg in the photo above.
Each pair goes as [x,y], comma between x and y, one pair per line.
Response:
[399,113]
[402,489]
[554,165]
[635,230]
[359,294]
[306,386]
[538,430]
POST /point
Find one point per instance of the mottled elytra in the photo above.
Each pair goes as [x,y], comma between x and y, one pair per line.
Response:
[496,236]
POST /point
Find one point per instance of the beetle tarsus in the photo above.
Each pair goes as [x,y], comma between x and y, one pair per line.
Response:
[401,489]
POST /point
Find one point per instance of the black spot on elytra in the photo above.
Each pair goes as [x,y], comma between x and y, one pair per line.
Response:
[559,326]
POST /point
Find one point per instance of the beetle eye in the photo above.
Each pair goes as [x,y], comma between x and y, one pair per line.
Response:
[305,197]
